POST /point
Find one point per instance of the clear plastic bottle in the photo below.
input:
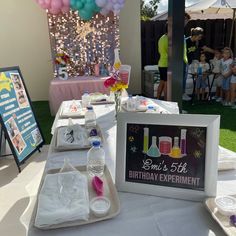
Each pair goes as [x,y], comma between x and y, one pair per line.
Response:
[90,117]
[96,160]
[117,62]
[131,105]
[85,99]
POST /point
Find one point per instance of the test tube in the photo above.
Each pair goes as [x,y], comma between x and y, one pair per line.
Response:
[145,140]
[183,141]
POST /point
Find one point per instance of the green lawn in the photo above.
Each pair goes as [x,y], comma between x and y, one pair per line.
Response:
[227,121]
[227,126]
[42,113]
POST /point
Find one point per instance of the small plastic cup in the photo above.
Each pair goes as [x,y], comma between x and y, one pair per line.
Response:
[100,206]
[226,205]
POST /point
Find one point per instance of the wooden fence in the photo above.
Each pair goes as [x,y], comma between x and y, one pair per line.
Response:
[216,35]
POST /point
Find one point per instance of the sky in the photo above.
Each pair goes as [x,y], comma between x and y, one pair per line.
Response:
[163,5]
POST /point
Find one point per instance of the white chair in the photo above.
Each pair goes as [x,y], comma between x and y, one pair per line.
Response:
[125,68]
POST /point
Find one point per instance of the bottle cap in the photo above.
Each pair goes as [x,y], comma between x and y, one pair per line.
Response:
[89,108]
[100,206]
[96,143]
[150,107]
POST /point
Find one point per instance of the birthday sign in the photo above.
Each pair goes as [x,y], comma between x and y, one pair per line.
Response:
[167,155]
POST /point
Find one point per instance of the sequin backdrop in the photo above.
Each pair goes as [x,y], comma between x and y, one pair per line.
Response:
[83,41]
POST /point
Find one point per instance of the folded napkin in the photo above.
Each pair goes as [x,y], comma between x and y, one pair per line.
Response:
[63,198]
[74,136]
[226,160]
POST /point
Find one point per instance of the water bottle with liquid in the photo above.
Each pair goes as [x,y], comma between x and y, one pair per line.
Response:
[131,104]
[95,160]
[90,117]
[117,62]
[85,99]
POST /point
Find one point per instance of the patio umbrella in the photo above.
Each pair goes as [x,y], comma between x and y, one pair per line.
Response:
[216,7]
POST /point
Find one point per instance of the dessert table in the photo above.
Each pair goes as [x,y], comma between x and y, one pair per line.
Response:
[73,88]
[139,214]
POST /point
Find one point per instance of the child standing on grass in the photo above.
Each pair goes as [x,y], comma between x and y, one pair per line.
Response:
[215,67]
[233,84]
[226,62]
[201,83]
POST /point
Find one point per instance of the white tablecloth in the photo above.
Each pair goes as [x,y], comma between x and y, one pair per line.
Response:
[140,215]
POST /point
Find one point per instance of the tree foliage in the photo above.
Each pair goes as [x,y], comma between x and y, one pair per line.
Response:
[149,10]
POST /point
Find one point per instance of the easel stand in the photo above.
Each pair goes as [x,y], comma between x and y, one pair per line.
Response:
[3,144]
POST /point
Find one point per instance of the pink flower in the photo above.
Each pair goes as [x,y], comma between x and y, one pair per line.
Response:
[109,82]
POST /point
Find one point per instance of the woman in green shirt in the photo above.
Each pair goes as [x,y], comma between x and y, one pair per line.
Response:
[163,65]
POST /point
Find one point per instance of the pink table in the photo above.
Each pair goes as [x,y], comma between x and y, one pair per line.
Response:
[73,88]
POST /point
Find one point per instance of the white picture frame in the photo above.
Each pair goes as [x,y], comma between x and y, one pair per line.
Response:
[209,124]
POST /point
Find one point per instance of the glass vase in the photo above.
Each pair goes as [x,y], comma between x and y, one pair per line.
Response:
[117,95]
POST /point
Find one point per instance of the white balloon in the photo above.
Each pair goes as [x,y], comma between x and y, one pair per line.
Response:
[101,3]
[117,7]
[104,11]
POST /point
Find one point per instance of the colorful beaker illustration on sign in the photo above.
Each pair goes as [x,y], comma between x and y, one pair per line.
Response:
[145,139]
[183,142]
[153,151]
[165,145]
[175,151]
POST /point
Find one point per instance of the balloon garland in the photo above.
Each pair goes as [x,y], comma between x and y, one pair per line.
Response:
[86,8]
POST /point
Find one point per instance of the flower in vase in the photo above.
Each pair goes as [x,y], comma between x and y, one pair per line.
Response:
[116,85]
[62,59]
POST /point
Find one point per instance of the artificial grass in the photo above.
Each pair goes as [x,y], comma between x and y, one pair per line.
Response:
[227,121]
[227,125]
[43,115]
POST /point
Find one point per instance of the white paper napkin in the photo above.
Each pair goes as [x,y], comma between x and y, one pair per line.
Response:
[226,160]
[63,198]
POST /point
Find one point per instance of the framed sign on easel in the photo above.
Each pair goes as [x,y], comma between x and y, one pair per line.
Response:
[167,155]
[17,118]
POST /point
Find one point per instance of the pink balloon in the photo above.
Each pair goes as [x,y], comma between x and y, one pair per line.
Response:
[55,6]
[66,3]
[54,11]
[65,9]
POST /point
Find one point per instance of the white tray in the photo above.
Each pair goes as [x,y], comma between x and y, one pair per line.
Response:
[222,220]
[101,102]
[72,147]
[67,114]
[109,192]
[124,107]
[97,97]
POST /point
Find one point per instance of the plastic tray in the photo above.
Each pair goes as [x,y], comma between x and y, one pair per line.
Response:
[96,99]
[72,147]
[65,114]
[109,191]
[222,220]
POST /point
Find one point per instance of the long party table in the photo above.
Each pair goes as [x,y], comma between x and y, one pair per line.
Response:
[140,214]
[73,88]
